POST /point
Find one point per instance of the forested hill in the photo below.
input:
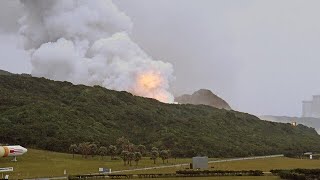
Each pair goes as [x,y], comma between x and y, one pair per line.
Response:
[2,72]
[40,113]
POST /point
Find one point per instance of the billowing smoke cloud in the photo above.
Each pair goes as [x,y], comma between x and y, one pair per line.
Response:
[87,42]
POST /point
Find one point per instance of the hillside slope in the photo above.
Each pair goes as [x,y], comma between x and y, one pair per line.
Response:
[307,121]
[205,97]
[40,113]
[3,72]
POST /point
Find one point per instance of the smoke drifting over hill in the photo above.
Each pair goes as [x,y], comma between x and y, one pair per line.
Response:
[87,42]
[262,57]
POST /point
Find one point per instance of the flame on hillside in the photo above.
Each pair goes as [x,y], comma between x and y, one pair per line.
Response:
[148,83]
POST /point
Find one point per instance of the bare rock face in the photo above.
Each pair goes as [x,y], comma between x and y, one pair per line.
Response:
[205,97]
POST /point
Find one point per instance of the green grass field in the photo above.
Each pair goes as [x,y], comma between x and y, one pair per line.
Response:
[223,178]
[257,164]
[38,163]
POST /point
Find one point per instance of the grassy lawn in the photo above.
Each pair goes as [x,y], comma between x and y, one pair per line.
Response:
[256,164]
[223,178]
[268,164]
[38,163]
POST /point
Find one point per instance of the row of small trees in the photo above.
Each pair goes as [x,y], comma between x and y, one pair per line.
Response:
[87,148]
[127,151]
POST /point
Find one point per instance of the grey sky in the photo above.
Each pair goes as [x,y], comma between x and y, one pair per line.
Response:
[260,56]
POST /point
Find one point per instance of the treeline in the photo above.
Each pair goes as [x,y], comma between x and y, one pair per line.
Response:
[297,174]
[50,115]
[220,173]
[124,149]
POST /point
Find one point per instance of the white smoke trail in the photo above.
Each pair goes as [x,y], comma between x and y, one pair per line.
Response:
[87,42]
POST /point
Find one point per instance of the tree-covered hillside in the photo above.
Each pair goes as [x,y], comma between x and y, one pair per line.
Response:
[308,121]
[40,113]
[2,72]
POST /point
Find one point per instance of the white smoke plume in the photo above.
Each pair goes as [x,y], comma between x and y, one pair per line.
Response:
[87,42]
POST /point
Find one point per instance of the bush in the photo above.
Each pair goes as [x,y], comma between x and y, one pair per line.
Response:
[297,174]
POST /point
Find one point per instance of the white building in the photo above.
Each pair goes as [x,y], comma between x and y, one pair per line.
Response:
[200,162]
[311,108]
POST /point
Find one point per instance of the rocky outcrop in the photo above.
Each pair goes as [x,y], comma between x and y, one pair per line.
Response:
[205,97]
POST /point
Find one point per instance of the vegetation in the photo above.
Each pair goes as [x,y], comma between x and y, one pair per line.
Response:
[112,151]
[154,154]
[2,72]
[124,156]
[164,154]
[40,113]
[297,174]
[142,149]
[103,151]
[129,152]
[264,165]
[73,149]
[39,163]
[137,157]
[221,173]
[35,164]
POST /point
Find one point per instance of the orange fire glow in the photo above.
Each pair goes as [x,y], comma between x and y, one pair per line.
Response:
[150,84]
[150,80]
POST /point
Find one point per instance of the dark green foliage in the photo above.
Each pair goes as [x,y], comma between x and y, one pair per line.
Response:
[154,155]
[220,173]
[142,149]
[40,113]
[164,155]
[297,174]
[123,144]
[93,149]
[84,149]
[2,72]
[112,151]
[137,157]
[124,156]
[130,158]
[103,151]
[73,149]
[292,155]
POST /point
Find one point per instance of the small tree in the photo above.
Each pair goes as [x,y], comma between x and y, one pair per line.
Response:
[124,156]
[137,157]
[103,151]
[154,155]
[142,149]
[112,150]
[164,154]
[130,158]
[123,143]
[93,149]
[84,148]
[154,149]
[131,147]
[73,148]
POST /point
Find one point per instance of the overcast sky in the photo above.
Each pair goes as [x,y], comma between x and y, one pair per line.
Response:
[262,57]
